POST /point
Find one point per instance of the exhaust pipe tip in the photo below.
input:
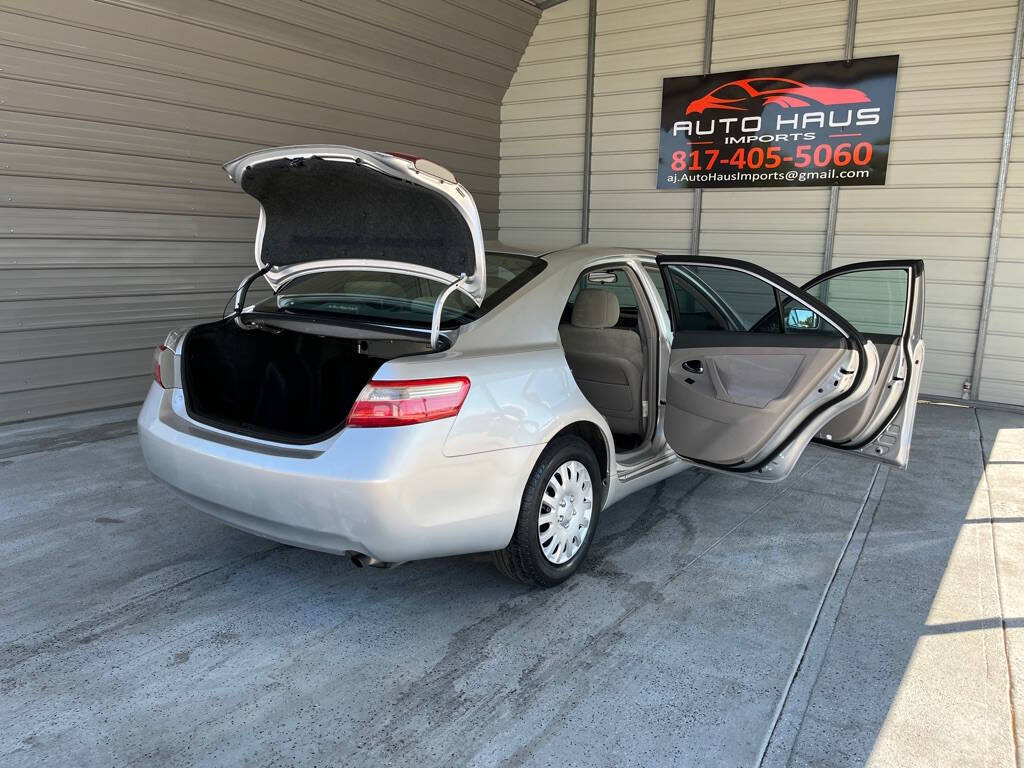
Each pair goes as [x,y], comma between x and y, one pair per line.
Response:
[360,560]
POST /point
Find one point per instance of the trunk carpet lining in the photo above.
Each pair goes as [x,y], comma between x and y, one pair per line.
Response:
[284,386]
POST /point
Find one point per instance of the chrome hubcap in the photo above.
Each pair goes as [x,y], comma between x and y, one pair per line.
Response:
[565,511]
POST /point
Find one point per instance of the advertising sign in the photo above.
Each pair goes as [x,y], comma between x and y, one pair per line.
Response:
[803,125]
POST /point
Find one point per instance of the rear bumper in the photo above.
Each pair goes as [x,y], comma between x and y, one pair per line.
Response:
[389,493]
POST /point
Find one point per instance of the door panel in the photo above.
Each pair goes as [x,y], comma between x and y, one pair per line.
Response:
[747,397]
[729,407]
[885,301]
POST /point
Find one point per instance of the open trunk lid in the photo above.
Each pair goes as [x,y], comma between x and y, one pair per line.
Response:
[333,207]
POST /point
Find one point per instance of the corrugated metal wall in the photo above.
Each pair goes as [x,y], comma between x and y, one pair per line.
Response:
[781,229]
[116,221]
[635,42]
[542,133]
[937,203]
[941,186]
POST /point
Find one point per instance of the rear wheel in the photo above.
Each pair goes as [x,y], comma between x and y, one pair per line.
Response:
[557,517]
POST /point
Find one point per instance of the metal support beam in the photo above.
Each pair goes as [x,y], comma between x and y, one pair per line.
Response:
[830,228]
[851,28]
[698,193]
[588,121]
[698,202]
[833,191]
[997,213]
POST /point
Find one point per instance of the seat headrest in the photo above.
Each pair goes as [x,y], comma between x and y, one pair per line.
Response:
[595,308]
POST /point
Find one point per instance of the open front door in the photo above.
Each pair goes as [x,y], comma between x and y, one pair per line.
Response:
[746,391]
[884,300]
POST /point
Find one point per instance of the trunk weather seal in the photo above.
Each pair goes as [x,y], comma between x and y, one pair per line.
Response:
[333,319]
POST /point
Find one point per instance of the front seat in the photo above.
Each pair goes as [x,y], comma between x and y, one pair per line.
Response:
[607,362]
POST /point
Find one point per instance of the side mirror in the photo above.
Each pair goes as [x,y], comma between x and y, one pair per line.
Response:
[802,319]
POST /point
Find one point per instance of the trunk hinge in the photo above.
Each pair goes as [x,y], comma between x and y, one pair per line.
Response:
[435,320]
[243,288]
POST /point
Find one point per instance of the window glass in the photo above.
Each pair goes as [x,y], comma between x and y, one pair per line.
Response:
[736,300]
[399,298]
[720,298]
[872,300]
[695,311]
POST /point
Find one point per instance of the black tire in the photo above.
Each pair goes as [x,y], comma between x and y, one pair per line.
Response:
[523,558]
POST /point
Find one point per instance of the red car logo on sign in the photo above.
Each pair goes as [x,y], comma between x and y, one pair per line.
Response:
[756,92]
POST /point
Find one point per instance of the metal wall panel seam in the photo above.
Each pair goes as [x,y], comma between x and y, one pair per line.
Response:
[698,193]
[833,192]
[997,213]
[588,120]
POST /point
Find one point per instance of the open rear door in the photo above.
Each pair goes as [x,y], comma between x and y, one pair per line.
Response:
[884,300]
[746,392]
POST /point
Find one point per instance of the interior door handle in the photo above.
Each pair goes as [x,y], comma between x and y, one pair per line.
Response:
[693,366]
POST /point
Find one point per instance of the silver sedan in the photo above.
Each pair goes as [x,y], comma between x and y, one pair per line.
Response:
[406,390]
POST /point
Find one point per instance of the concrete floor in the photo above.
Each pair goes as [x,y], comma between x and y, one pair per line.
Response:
[850,616]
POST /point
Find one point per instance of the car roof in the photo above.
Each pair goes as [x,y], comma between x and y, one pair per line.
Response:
[568,255]
[579,255]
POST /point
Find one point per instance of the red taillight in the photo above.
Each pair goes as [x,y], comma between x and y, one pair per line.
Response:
[394,403]
[157,377]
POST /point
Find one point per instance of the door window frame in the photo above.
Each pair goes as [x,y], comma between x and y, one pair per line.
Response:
[779,284]
[914,267]
[713,304]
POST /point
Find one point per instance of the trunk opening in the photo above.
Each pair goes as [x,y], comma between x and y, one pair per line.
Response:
[278,385]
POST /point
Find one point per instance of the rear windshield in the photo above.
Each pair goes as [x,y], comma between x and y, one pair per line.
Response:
[400,299]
